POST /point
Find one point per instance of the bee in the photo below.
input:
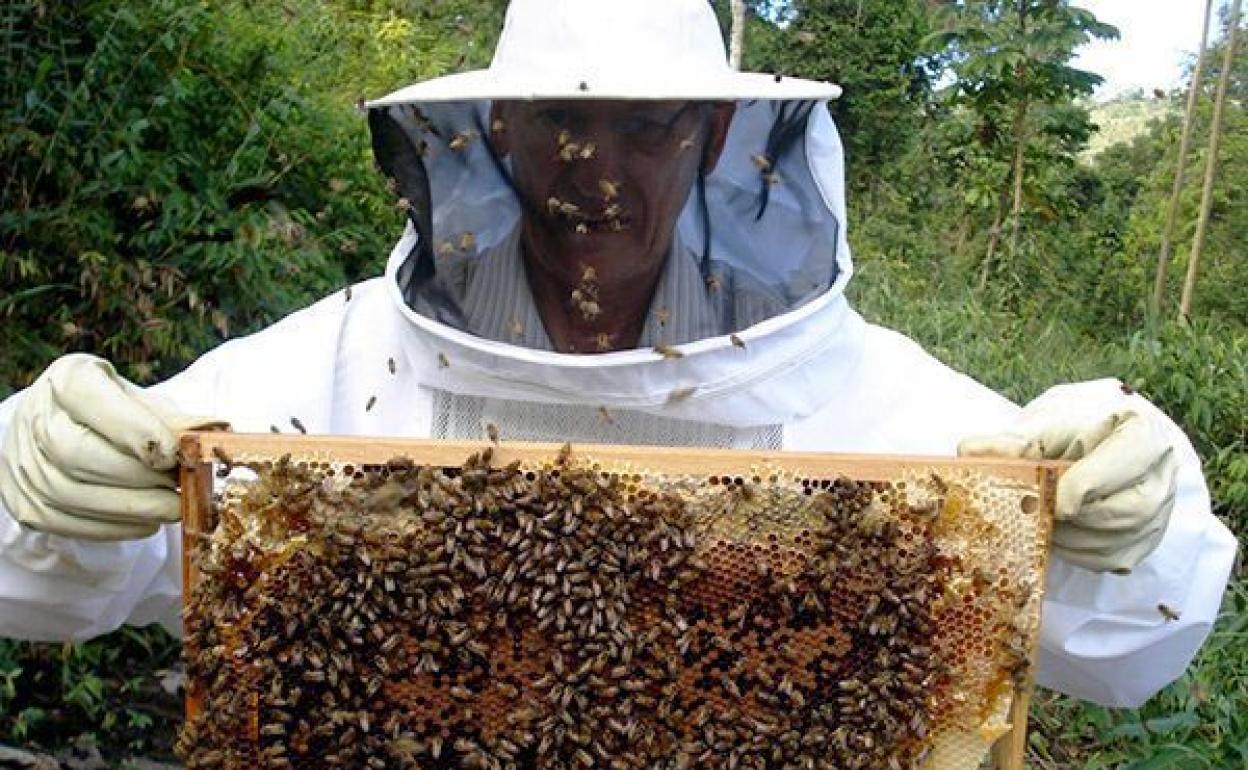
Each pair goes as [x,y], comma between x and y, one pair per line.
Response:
[491,431]
[459,141]
[372,401]
[588,151]
[568,208]
[553,204]
[737,341]
[590,310]
[569,151]
[446,249]
[604,341]
[443,361]
[1167,612]
[774,179]
[227,464]
[274,429]
[347,294]
[516,328]
[391,365]
[762,162]
[1126,388]
[713,282]
[582,228]
[606,415]
[680,394]
[498,126]
[610,189]
[564,137]
[467,241]
[686,143]
[662,315]
[588,273]
[402,204]
[667,351]
[298,425]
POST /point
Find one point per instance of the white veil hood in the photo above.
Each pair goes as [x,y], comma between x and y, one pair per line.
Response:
[779,224]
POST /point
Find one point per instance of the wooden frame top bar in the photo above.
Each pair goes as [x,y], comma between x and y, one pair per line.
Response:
[201,446]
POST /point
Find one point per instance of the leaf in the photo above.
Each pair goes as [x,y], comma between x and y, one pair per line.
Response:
[1171,757]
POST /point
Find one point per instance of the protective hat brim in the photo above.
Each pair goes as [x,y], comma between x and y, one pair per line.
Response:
[492,85]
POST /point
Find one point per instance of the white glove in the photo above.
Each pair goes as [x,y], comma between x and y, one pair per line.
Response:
[89,455]
[1114,502]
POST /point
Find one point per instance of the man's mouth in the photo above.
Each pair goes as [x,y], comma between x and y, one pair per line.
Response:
[589,217]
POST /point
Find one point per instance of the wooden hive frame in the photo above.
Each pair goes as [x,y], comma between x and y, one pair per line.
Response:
[198,452]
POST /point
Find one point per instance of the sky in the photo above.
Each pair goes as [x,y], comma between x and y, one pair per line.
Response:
[1155,39]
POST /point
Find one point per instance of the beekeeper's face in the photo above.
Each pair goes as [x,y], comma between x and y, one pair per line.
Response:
[605,181]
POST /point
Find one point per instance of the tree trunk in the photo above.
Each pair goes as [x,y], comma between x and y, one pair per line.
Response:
[1206,194]
[1163,257]
[963,232]
[1020,137]
[1020,148]
[737,41]
[994,237]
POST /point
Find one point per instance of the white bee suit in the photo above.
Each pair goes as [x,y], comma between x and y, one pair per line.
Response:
[812,376]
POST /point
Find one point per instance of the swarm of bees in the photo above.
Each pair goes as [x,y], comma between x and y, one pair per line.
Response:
[610,215]
[573,616]
[584,297]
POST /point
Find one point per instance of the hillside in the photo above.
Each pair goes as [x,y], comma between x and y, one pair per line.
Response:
[1125,117]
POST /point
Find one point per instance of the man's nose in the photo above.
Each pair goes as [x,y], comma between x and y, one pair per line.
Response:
[595,163]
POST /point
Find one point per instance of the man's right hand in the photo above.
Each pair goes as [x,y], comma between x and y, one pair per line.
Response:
[89,455]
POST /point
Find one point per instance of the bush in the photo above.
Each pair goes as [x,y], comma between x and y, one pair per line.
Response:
[110,688]
[176,173]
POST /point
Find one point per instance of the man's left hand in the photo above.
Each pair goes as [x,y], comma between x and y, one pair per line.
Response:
[1114,502]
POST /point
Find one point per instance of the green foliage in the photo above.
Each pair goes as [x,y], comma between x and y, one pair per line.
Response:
[1199,376]
[179,172]
[869,50]
[1007,51]
[109,688]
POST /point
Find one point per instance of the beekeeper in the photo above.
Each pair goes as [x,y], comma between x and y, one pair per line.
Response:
[613,237]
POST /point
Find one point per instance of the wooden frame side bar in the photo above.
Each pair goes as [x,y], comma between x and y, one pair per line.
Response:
[195,478]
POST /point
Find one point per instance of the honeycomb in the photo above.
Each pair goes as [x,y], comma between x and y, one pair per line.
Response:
[576,614]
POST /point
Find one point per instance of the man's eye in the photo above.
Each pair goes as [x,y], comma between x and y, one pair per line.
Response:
[638,124]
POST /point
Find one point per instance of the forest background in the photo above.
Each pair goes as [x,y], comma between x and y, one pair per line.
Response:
[175,173]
